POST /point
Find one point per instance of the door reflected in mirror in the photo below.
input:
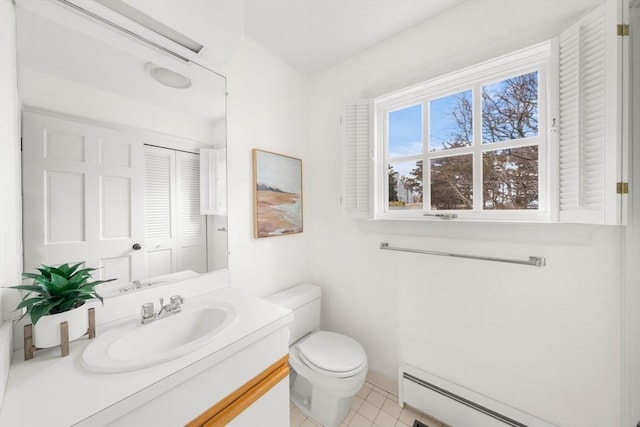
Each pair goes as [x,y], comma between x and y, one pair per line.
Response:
[124,150]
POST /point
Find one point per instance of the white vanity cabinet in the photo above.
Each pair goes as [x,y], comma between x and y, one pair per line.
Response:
[249,388]
[237,378]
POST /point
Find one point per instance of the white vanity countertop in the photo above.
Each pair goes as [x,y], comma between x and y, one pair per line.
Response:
[50,390]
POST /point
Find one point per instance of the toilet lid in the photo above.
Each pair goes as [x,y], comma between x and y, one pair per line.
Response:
[332,353]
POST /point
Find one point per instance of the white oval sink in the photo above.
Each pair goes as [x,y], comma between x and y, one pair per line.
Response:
[135,346]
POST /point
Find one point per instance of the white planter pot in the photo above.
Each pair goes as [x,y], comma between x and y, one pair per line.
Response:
[46,333]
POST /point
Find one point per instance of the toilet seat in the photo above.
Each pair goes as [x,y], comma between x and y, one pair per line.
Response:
[332,354]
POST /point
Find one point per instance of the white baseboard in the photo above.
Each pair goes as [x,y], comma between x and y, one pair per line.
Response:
[384,382]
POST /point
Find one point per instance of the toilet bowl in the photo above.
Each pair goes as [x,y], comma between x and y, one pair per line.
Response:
[327,368]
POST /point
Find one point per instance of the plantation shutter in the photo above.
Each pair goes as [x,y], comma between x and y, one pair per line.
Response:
[356,160]
[213,181]
[589,131]
[191,225]
[190,222]
[159,195]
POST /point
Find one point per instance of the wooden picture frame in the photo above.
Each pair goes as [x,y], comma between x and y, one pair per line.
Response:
[277,194]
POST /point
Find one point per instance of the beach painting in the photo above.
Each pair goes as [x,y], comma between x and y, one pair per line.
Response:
[277,181]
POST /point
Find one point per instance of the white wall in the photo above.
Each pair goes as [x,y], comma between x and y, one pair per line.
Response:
[64,96]
[10,215]
[266,109]
[543,340]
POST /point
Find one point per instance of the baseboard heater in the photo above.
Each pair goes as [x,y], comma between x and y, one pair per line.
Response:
[458,406]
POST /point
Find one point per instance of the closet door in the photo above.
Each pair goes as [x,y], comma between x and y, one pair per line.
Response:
[160,206]
[175,231]
[82,196]
[191,239]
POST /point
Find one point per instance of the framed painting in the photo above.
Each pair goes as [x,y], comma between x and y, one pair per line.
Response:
[277,194]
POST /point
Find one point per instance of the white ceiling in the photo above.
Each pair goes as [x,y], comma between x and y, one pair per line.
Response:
[310,35]
[314,35]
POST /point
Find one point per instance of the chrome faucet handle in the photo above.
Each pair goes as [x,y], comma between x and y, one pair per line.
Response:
[163,308]
[147,311]
[177,300]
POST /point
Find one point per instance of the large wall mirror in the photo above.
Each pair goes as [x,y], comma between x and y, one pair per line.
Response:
[124,155]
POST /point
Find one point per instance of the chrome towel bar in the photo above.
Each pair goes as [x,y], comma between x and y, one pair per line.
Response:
[535,261]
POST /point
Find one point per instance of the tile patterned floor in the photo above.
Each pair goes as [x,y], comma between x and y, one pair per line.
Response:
[371,407]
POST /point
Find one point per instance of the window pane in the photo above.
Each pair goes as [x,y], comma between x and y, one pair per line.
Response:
[452,182]
[405,185]
[450,121]
[405,131]
[510,109]
[510,178]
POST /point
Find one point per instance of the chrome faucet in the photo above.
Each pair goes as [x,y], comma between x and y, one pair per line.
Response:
[147,313]
[174,307]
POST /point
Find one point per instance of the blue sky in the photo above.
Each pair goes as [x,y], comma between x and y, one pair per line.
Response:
[405,126]
[441,122]
[405,129]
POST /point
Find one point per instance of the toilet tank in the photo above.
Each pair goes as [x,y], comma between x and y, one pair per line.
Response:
[304,301]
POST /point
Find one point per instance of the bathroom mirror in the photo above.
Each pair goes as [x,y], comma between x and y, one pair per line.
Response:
[119,137]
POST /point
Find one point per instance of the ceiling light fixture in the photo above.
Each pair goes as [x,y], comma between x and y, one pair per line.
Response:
[167,77]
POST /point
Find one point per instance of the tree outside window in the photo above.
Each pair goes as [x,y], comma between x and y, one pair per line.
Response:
[506,149]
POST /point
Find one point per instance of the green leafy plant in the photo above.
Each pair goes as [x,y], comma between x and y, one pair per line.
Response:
[57,289]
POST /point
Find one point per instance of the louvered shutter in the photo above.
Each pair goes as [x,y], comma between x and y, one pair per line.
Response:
[589,125]
[159,195]
[356,160]
[191,225]
[190,222]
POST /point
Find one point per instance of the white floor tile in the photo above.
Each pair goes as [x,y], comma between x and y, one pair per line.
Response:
[408,416]
[356,402]
[296,418]
[309,423]
[376,399]
[392,408]
[369,411]
[385,420]
[364,391]
[381,391]
[349,416]
[401,424]
[360,421]
[393,398]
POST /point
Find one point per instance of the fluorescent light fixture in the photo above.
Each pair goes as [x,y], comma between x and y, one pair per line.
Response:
[148,22]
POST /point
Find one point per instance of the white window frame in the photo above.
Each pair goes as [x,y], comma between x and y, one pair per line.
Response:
[536,58]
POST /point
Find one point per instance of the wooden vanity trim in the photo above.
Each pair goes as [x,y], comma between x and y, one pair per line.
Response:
[235,403]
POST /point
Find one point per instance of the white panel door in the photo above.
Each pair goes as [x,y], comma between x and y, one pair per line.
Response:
[83,197]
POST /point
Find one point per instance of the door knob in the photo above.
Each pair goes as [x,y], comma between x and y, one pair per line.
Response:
[136,246]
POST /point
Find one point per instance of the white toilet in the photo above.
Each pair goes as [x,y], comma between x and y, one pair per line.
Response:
[328,368]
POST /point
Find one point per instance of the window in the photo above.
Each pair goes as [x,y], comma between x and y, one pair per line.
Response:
[472,143]
[536,135]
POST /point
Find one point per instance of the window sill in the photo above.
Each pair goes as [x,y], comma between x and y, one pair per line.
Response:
[516,232]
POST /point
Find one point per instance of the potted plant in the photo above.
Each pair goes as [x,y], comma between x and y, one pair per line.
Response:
[58,294]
